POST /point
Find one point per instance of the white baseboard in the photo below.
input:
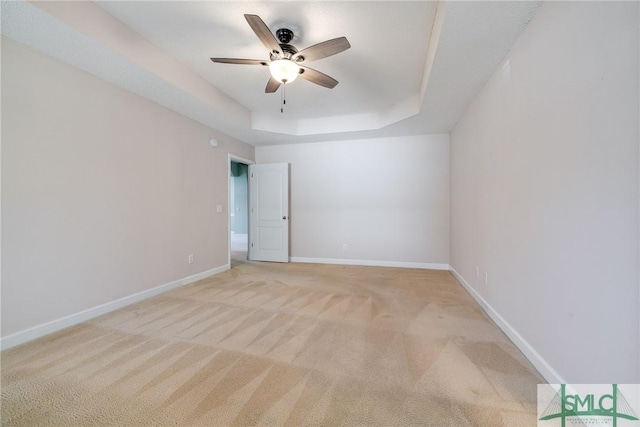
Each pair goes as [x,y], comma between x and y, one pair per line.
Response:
[339,261]
[84,315]
[529,352]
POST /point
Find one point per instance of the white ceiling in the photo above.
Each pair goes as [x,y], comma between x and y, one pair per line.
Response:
[413,66]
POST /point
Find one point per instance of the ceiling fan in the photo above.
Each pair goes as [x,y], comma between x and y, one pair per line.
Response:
[285,61]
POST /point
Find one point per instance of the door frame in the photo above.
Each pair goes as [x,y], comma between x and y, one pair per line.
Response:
[237,159]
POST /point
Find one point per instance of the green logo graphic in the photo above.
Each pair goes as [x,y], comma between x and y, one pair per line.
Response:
[612,405]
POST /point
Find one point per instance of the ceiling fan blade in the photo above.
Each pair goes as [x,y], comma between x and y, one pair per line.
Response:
[264,33]
[315,76]
[272,85]
[240,61]
[322,50]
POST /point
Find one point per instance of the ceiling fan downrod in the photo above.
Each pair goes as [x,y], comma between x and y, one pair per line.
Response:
[284,36]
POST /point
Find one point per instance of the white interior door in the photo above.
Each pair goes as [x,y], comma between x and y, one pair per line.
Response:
[269,212]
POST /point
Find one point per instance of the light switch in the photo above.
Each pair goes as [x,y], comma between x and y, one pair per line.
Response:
[218,208]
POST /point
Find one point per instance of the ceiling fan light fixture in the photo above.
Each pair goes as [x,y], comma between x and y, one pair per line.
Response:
[284,70]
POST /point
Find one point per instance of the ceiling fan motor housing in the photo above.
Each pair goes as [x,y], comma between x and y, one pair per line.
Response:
[288,50]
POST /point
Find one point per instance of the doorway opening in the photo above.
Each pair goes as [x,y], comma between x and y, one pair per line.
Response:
[238,210]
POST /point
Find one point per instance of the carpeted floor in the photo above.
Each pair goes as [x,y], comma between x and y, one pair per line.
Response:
[280,344]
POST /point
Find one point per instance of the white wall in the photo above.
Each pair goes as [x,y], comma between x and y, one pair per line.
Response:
[544,192]
[104,193]
[387,199]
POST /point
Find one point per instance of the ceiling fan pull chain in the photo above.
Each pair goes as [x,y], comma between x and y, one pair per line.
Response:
[282,100]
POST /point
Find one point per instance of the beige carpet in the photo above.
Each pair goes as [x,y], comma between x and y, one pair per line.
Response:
[280,344]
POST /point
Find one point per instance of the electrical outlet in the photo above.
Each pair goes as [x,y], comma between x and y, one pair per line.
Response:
[345,247]
[486,278]
[477,271]
[190,259]
[218,208]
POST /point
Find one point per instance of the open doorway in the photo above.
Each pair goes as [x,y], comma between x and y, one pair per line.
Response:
[238,210]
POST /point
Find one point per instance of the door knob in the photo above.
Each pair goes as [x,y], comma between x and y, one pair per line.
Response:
[284,217]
